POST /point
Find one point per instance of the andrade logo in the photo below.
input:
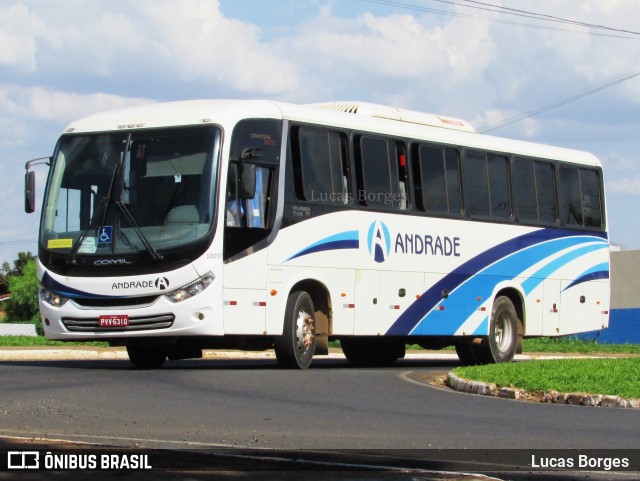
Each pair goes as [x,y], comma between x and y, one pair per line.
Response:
[379,241]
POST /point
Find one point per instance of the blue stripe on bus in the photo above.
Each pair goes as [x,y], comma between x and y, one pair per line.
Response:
[536,279]
[483,328]
[459,305]
[51,284]
[515,255]
[343,240]
[601,271]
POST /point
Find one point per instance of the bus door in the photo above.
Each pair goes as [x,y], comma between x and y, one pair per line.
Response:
[251,194]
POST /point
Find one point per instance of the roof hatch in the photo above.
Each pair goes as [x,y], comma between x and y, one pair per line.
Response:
[393,113]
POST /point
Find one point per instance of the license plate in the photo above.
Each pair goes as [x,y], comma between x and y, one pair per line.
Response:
[115,320]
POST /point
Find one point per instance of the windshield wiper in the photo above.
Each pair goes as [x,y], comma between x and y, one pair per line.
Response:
[145,241]
[98,218]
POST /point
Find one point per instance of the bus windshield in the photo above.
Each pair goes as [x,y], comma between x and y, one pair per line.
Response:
[130,192]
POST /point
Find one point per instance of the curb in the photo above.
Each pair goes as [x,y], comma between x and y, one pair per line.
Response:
[554,397]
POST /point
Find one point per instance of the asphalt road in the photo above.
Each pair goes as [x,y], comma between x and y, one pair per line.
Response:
[251,403]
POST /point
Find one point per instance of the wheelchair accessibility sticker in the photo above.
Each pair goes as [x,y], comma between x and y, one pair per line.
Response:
[105,235]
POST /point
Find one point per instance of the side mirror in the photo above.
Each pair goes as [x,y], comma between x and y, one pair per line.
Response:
[248,186]
[30,183]
[29,192]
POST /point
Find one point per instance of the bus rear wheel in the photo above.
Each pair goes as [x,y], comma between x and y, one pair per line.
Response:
[295,348]
[147,357]
[502,342]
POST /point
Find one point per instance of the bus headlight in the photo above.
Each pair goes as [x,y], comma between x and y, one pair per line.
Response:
[52,298]
[192,289]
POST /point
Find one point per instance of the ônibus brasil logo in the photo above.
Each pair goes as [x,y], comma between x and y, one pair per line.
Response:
[379,241]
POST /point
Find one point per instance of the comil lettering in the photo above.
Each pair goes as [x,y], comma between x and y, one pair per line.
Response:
[427,245]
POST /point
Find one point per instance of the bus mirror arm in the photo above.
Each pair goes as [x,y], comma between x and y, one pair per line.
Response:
[30,183]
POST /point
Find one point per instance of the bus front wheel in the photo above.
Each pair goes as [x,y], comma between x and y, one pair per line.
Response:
[147,357]
[294,349]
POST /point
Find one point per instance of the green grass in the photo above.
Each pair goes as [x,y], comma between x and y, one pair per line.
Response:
[572,344]
[614,376]
[557,344]
[33,341]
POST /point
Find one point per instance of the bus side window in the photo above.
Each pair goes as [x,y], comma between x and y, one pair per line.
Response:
[546,192]
[570,196]
[321,165]
[499,193]
[378,163]
[486,184]
[525,190]
[591,204]
[476,183]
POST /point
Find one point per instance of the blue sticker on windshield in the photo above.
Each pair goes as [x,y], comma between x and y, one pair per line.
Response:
[106,234]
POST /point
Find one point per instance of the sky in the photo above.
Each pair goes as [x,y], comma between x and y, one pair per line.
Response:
[62,60]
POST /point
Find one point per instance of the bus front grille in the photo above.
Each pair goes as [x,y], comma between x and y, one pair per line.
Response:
[162,321]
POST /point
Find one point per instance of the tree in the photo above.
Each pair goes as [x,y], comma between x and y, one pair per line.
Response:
[23,305]
[18,264]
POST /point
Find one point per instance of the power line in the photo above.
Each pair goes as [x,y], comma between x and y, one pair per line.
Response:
[624,33]
[18,242]
[552,18]
[517,117]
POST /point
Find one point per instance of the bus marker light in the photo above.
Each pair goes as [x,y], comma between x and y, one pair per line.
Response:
[259,304]
[394,306]
[441,308]
[273,292]
[349,306]
[230,303]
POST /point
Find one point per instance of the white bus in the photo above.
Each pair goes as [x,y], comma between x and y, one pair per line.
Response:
[177,227]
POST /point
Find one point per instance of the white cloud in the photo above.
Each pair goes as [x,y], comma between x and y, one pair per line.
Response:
[39,103]
[187,41]
[627,186]
[616,162]
[26,111]
[18,33]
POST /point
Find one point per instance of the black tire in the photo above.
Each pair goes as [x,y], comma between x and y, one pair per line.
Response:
[502,342]
[295,348]
[372,351]
[467,353]
[147,357]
